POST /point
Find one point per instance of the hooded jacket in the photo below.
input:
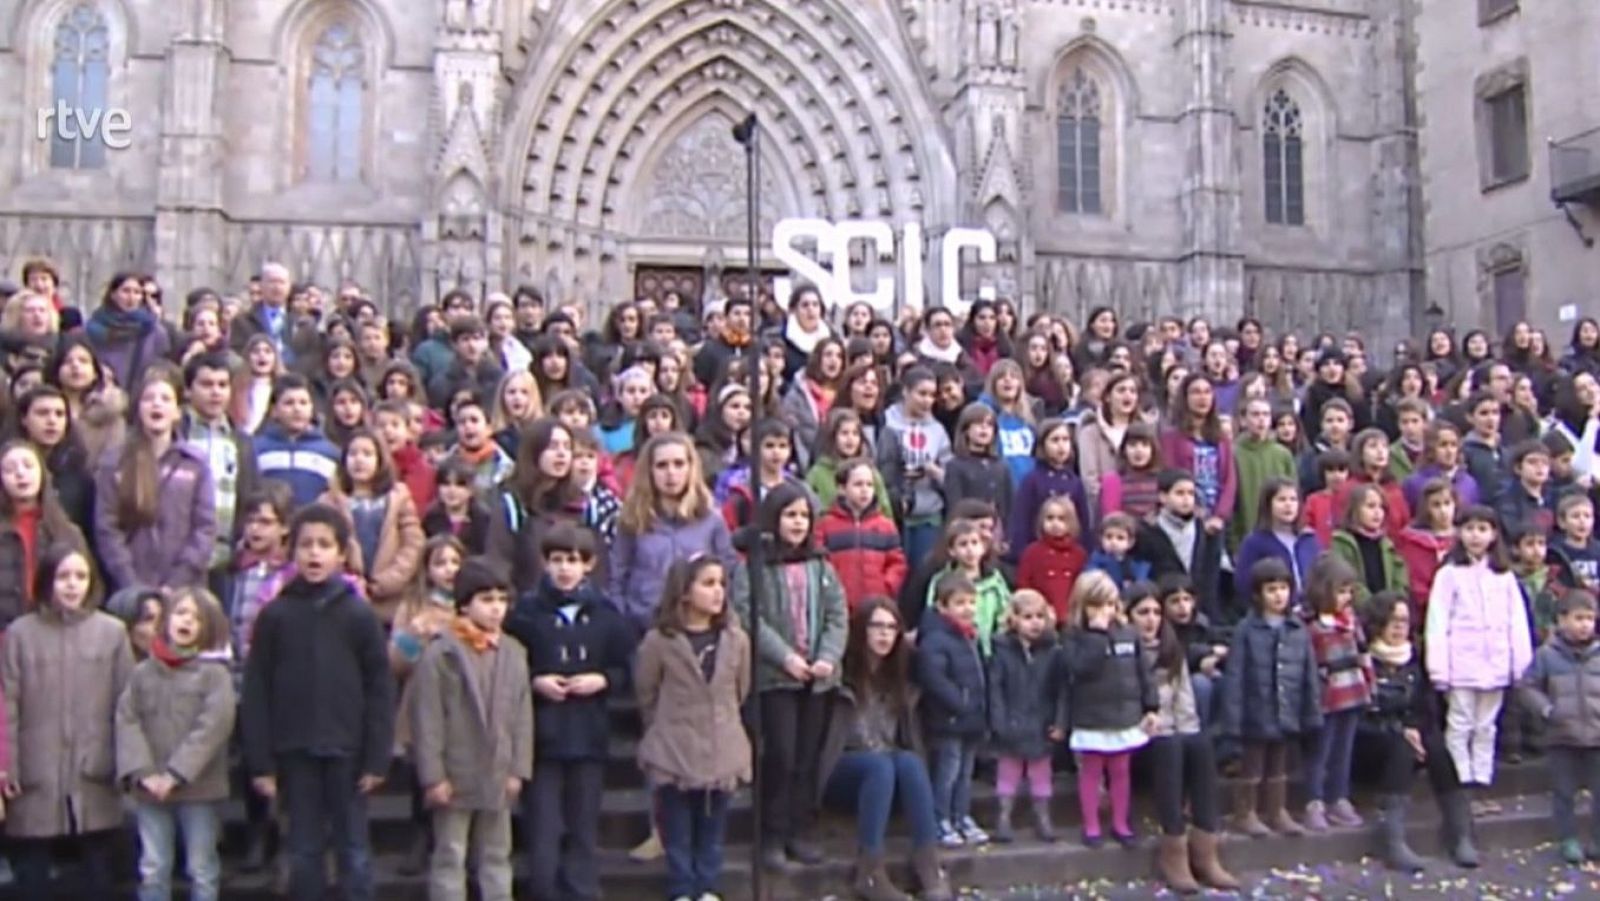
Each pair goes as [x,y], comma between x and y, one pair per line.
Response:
[174,549]
[1562,687]
[1025,686]
[910,445]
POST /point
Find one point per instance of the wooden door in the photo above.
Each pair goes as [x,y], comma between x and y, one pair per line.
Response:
[655,281]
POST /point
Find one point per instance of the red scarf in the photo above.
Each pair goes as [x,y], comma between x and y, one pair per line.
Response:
[172,657]
[969,631]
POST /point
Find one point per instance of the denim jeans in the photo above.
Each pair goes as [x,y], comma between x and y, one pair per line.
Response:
[921,537]
[692,826]
[1204,691]
[158,825]
[952,776]
[870,783]
[1569,768]
[1328,774]
[320,799]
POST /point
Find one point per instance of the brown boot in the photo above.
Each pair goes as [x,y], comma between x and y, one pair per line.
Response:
[871,879]
[1276,799]
[1172,863]
[1245,819]
[1206,865]
[932,883]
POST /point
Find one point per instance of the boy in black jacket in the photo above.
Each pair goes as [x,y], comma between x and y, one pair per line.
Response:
[318,708]
[579,649]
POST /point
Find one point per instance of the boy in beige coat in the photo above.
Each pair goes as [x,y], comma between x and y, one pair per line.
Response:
[472,733]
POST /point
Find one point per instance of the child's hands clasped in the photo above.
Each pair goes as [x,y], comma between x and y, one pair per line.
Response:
[1150,723]
[552,687]
[158,785]
[586,684]
[797,668]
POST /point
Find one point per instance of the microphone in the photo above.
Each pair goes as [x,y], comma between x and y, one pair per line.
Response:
[745,131]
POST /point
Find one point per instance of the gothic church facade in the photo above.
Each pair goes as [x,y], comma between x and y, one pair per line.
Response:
[1215,157]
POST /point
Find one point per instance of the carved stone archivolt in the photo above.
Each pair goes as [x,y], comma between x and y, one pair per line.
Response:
[697,187]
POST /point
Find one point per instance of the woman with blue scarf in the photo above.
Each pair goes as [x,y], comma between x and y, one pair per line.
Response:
[125,335]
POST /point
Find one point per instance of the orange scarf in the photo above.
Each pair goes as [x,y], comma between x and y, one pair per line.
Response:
[474,637]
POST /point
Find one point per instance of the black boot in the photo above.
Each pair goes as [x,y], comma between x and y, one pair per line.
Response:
[1003,832]
[1458,829]
[1392,835]
[1042,825]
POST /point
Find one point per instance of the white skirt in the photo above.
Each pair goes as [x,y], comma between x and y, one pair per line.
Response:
[1107,741]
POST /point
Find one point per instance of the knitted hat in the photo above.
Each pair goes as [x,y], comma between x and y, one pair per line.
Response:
[1331,355]
[476,576]
[127,604]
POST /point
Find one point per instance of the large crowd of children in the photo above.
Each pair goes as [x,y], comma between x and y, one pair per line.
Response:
[268,546]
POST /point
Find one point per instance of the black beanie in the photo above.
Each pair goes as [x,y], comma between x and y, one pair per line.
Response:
[478,575]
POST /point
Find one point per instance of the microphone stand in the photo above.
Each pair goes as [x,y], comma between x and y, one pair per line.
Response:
[748,133]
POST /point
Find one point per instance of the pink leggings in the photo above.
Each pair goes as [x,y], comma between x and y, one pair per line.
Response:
[1010,771]
[1091,766]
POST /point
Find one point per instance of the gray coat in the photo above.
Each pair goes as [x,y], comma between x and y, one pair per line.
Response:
[175,550]
[1563,688]
[62,674]
[694,737]
[826,611]
[476,742]
[1270,687]
[177,720]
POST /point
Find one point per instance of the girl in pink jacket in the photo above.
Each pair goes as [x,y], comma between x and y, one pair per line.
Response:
[1478,641]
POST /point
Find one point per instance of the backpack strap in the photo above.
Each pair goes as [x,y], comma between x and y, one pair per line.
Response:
[514,511]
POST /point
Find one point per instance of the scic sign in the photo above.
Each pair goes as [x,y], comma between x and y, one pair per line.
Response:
[829,268]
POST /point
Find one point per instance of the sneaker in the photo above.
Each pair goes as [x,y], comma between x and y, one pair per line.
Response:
[1316,819]
[1343,813]
[949,835]
[1571,851]
[972,833]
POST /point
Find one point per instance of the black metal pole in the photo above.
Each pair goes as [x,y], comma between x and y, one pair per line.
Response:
[748,133]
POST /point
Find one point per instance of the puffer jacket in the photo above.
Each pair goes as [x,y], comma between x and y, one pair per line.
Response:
[1110,685]
[1563,688]
[1477,633]
[174,550]
[1270,689]
[637,569]
[177,720]
[1024,693]
[865,552]
[950,673]
[306,462]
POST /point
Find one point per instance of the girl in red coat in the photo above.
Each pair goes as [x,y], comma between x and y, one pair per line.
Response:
[1424,543]
[861,543]
[1370,453]
[1051,564]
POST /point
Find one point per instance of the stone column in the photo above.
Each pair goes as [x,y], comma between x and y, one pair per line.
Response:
[190,228]
[1397,295]
[1212,268]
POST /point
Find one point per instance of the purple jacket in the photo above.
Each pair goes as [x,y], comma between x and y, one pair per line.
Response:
[175,550]
[639,563]
[119,356]
[1466,486]
[1038,486]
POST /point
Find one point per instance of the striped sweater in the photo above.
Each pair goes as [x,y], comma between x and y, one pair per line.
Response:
[1339,649]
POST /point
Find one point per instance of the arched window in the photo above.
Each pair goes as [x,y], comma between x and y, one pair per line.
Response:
[336,95]
[79,72]
[1078,118]
[1283,157]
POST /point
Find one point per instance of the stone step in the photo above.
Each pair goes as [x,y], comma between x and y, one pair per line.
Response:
[1524,823]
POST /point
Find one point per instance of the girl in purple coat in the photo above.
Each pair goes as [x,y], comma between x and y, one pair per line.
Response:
[1052,476]
[155,517]
[668,516]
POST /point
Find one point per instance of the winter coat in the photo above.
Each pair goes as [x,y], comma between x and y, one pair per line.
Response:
[481,380]
[822,478]
[904,445]
[1051,566]
[1205,567]
[1096,456]
[950,672]
[639,563]
[177,720]
[1423,553]
[1025,686]
[305,462]
[432,357]
[129,357]
[1396,512]
[474,534]
[412,468]
[1270,689]
[1260,545]
[62,674]
[1395,575]
[1043,483]
[1519,508]
[1562,687]
[804,412]
[983,478]
[827,616]
[1477,633]
[843,711]
[393,573]
[693,735]
[476,742]
[1402,698]
[1109,681]
[1178,452]
[865,552]
[595,640]
[1256,462]
[514,532]
[1488,466]
[318,679]
[175,549]
[1462,481]
[16,574]
[1124,572]
[1338,646]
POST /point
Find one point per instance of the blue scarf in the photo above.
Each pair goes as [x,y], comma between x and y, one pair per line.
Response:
[109,324]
